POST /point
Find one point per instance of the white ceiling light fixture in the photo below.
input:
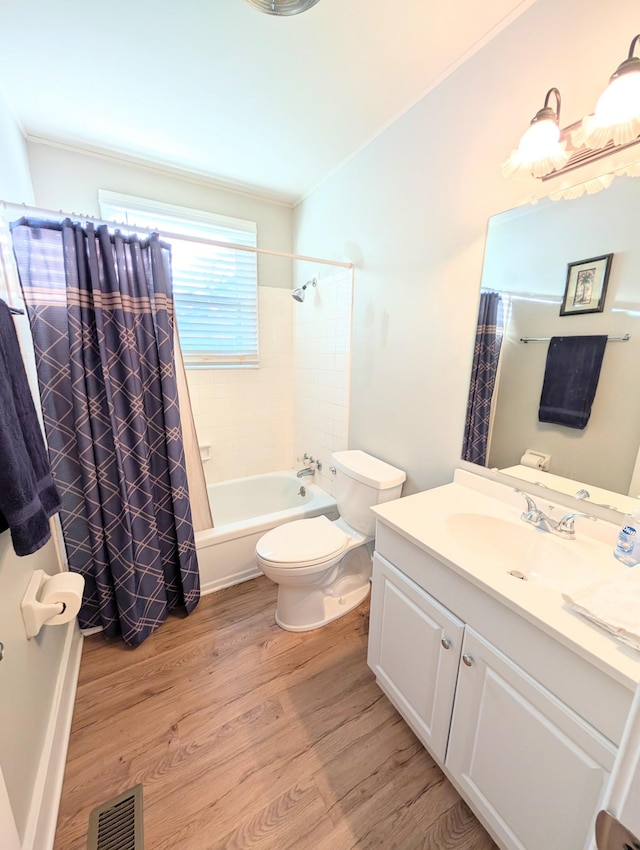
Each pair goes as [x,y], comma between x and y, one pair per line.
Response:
[282,7]
[541,150]
[617,115]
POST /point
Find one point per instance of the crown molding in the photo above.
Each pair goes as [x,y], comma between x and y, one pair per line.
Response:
[158,166]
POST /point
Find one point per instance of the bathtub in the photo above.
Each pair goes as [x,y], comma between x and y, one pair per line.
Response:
[243,509]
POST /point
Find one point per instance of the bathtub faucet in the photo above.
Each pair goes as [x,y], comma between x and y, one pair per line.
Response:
[313,464]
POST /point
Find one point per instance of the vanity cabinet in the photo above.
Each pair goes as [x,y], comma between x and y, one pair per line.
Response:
[526,760]
[414,650]
[530,767]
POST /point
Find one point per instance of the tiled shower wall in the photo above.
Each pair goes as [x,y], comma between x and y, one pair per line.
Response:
[245,416]
[322,345]
[261,420]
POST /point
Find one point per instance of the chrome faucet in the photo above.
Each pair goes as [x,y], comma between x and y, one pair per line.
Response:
[564,527]
[584,494]
[313,464]
[533,515]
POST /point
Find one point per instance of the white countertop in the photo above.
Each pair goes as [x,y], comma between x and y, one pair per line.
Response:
[426,520]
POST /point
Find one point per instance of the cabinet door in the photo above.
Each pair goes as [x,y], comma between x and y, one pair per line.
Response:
[531,767]
[414,647]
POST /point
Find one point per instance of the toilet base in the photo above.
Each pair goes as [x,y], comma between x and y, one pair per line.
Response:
[293,609]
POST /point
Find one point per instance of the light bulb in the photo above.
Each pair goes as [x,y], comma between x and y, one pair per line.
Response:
[539,153]
[620,101]
[540,150]
[617,115]
[539,141]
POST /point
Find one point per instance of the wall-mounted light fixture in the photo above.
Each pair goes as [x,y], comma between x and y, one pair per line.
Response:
[617,115]
[541,149]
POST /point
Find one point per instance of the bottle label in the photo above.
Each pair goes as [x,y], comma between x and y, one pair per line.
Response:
[627,548]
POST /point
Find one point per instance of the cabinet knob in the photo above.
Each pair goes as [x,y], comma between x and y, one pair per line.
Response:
[446,643]
[468,660]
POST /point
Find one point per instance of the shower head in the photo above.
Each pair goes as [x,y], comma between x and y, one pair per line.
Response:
[299,293]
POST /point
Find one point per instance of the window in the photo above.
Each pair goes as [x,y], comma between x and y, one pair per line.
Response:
[215,289]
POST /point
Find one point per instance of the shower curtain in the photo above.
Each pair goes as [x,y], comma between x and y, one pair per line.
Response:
[486,356]
[101,312]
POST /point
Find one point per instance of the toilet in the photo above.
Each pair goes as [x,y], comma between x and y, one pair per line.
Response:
[322,567]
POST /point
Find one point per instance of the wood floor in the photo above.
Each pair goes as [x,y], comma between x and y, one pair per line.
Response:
[246,736]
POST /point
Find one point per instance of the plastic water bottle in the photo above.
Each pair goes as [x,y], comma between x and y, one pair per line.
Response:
[627,548]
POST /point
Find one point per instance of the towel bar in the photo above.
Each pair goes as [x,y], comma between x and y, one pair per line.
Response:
[624,338]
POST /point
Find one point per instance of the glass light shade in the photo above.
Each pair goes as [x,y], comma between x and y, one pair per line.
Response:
[617,115]
[540,152]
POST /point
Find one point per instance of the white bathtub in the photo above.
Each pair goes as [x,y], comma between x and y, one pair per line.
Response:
[243,509]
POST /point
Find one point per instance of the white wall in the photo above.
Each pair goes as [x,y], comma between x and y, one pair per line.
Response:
[15,179]
[322,345]
[69,180]
[411,211]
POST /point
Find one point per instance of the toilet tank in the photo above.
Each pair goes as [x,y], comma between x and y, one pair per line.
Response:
[363,481]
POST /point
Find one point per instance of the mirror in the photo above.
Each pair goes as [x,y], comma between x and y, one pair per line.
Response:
[527,258]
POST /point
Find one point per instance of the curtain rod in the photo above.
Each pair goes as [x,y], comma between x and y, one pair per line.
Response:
[624,338]
[6,205]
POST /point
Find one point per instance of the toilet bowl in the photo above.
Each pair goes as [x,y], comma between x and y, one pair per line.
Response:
[322,568]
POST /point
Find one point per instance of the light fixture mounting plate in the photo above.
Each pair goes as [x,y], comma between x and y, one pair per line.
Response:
[282,7]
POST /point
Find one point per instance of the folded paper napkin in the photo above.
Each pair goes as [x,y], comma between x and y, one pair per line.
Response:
[613,604]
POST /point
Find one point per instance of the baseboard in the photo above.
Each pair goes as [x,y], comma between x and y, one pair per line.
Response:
[43,814]
[229,581]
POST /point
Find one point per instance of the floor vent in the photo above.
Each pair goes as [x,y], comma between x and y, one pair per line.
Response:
[117,824]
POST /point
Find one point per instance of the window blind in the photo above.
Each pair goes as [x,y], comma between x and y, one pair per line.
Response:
[215,289]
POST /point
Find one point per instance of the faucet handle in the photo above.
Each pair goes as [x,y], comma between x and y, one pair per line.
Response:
[567,521]
[532,508]
[582,494]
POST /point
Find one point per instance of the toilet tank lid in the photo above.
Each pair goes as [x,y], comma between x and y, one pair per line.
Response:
[368,469]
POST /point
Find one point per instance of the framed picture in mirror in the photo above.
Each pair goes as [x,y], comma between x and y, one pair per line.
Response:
[586,286]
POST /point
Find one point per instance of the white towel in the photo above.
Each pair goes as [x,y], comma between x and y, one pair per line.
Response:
[613,604]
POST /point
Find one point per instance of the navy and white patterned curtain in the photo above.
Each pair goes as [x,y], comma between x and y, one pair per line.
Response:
[101,313]
[483,377]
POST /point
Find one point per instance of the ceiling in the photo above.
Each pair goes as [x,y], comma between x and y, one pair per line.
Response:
[218,89]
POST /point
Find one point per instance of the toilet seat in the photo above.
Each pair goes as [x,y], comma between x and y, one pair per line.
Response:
[301,543]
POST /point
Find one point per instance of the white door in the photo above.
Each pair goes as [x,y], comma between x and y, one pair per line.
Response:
[8,831]
[528,764]
[414,647]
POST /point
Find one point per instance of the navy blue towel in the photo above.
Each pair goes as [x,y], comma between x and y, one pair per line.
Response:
[571,379]
[28,496]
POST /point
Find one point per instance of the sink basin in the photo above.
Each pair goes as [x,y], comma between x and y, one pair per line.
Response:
[538,556]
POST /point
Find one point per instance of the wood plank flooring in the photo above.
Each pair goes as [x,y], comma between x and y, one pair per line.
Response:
[246,736]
